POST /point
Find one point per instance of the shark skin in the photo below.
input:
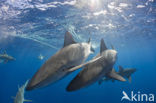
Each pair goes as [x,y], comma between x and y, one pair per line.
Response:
[94,71]
[127,72]
[20,94]
[5,57]
[56,67]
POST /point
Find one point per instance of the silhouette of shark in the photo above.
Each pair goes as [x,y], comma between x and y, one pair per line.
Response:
[5,57]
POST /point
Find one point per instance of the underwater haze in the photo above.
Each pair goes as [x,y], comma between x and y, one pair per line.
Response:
[32,31]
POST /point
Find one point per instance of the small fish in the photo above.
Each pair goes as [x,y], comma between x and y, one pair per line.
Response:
[40,57]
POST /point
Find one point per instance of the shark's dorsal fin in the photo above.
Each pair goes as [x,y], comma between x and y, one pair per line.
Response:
[102,46]
[120,68]
[68,39]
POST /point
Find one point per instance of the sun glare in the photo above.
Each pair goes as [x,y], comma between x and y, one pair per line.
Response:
[94,3]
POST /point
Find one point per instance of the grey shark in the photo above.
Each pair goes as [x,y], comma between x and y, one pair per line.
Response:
[57,67]
[20,95]
[123,72]
[95,70]
[5,57]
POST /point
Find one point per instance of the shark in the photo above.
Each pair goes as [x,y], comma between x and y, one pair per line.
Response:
[58,66]
[20,94]
[5,57]
[101,65]
[127,72]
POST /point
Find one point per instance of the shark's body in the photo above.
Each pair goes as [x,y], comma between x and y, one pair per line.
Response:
[94,71]
[55,68]
[123,72]
[20,94]
[5,58]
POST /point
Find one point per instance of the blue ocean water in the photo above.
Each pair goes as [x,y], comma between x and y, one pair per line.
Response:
[29,28]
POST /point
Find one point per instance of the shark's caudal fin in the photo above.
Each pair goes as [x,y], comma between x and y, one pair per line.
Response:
[116,76]
[26,100]
[120,68]
[102,46]
[68,39]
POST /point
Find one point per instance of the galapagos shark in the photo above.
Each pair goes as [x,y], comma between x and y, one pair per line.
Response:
[100,66]
[123,72]
[20,95]
[57,67]
[5,57]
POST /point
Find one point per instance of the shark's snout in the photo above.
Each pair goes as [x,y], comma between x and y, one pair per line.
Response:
[30,86]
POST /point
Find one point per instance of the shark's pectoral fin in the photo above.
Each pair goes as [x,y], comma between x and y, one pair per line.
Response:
[116,76]
[129,79]
[26,100]
[68,39]
[84,64]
